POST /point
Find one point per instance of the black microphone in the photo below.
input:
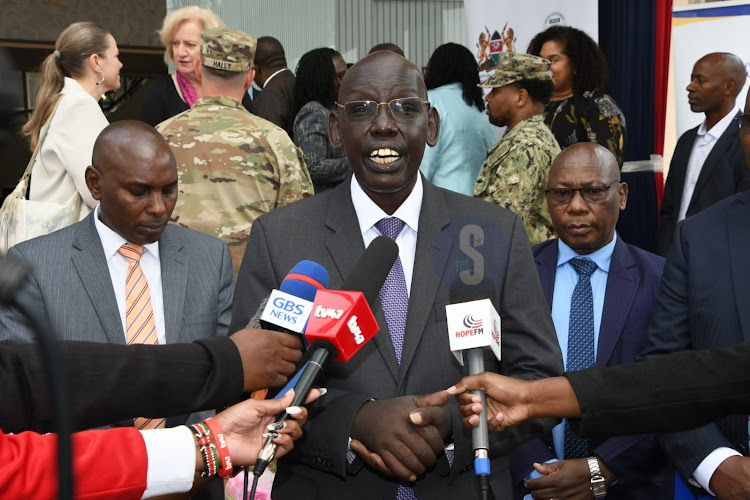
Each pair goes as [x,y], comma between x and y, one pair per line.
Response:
[341,323]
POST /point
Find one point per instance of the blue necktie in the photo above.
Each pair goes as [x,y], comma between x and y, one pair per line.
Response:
[580,342]
[395,301]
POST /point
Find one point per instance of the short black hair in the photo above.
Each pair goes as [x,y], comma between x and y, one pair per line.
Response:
[453,63]
[315,75]
[586,58]
[539,90]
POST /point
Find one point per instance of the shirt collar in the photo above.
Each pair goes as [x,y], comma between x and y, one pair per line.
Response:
[602,257]
[111,241]
[720,127]
[369,213]
[265,84]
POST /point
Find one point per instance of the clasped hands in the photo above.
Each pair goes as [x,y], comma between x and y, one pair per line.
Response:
[393,438]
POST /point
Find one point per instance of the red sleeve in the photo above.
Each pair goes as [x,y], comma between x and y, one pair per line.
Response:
[108,464]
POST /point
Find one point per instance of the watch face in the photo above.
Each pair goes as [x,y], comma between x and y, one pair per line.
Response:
[599,488]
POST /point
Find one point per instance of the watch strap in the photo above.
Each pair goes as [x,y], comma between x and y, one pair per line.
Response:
[598,485]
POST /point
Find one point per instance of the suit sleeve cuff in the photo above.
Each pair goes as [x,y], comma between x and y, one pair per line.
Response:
[171,460]
[702,474]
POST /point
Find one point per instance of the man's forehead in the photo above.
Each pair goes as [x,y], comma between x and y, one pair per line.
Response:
[381,75]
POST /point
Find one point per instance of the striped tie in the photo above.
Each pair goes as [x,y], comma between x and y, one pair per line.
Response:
[139,315]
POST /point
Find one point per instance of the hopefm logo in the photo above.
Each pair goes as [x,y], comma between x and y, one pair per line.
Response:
[470,322]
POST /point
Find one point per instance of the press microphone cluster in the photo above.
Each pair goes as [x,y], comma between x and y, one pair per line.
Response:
[341,322]
[473,326]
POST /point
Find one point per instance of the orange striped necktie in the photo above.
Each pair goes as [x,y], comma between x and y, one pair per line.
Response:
[139,314]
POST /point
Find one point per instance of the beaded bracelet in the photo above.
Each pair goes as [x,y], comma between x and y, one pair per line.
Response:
[219,444]
[205,440]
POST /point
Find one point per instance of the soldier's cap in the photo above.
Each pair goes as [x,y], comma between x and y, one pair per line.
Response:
[512,67]
[228,50]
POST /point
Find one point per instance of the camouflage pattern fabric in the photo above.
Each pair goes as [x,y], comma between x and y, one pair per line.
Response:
[512,67]
[516,172]
[227,50]
[232,167]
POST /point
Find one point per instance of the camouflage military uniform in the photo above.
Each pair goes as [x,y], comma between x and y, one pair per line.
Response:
[515,174]
[232,166]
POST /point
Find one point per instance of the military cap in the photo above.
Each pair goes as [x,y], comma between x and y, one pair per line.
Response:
[228,50]
[512,67]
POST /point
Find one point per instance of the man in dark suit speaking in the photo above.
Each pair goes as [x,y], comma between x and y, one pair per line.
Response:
[384,122]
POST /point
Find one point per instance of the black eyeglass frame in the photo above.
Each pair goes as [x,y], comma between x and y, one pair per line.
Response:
[582,191]
[389,104]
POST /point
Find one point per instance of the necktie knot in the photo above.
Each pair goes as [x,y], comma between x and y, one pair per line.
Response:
[584,267]
[131,251]
[390,226]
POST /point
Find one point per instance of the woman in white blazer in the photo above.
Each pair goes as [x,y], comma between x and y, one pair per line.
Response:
[83,66]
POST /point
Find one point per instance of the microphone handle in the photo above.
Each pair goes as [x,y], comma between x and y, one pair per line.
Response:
[479,434]
[310,374]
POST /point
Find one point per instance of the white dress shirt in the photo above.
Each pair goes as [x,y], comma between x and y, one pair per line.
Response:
[704,143]
[368,213]
[60,167]
[118,268]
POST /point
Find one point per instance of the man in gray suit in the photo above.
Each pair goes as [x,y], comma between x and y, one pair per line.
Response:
[79,277]
[446,239]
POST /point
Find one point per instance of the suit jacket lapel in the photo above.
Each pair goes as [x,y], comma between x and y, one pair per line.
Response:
[174,264]
[712,161]
[738,239]
[546,264]
[90,263]
[345,245]
[429,264]
[622,284]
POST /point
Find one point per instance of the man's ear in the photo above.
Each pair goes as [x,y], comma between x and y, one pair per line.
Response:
[334,130]
[199,71]
[433,126]
[522,98]
[249,79]
[93,182]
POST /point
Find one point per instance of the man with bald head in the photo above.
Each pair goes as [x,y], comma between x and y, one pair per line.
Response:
[123,275]
[602,292]
[384,122]
[708,164]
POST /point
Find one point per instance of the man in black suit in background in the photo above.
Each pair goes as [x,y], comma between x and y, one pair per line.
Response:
[708,164]
[276,102]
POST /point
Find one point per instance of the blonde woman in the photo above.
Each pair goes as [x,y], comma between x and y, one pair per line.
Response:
[181,36]
[83,66]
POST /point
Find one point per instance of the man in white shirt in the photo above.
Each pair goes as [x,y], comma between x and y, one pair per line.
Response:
[384,123]
[708,163]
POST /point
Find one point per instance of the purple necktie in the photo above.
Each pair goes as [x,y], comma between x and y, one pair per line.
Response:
[393,296]
[395,301]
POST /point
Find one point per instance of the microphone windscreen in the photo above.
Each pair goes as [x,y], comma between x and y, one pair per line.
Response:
[305,279]
[372,268]
[255,320]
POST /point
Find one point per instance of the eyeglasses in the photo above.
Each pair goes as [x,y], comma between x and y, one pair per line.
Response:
[744,120]
[407,108]
[592,194]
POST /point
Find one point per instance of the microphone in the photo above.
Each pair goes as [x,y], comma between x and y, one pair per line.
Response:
[473,326]
[288,308]
[341,323]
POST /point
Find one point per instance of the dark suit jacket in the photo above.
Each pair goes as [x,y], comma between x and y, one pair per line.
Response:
[665,393]
[724,173]
[325,229]
[704,302]
[632,284]
[71,280]
[276,102]
[106,382]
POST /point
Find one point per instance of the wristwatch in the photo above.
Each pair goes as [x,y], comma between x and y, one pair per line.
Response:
[598,486]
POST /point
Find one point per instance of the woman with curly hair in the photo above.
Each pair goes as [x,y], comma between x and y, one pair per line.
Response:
[579,110]
[465,132]
[319,74]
